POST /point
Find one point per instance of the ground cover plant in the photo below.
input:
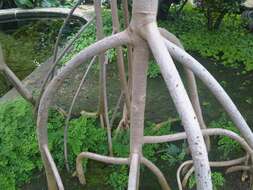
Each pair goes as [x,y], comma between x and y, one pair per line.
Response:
[140,42]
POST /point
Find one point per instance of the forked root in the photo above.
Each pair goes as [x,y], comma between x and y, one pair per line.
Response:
[97,157]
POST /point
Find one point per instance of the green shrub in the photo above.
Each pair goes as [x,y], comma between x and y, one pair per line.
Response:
[216,10]
[119,178]
[217,179]
[228,46]
[18,145]
[19,153]
[20,156]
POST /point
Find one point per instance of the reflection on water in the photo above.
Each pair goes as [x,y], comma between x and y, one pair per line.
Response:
[27,44]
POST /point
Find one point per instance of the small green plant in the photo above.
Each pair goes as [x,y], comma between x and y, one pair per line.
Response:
[119,178]
[226,146]
[18,144]
[217,179]
[153,69]
[20,156]
[173,154]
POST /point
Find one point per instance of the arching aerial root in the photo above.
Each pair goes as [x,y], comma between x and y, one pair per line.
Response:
[205,132]
[216,89]
[97,157]
[57,58]
[93,50]
[191,84]
[134,163]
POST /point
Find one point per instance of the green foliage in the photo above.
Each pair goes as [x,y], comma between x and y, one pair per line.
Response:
[119,178]
[173,154]
[216,10]
[20,156]
[121,143]
[86,135]
[217,179]
[153,69]
[226,146]
[228,46]
[18,144]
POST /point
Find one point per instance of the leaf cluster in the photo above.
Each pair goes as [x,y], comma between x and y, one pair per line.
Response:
[229,46]
[217,179]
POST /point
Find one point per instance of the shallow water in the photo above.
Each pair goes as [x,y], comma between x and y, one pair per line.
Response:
[27,44]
